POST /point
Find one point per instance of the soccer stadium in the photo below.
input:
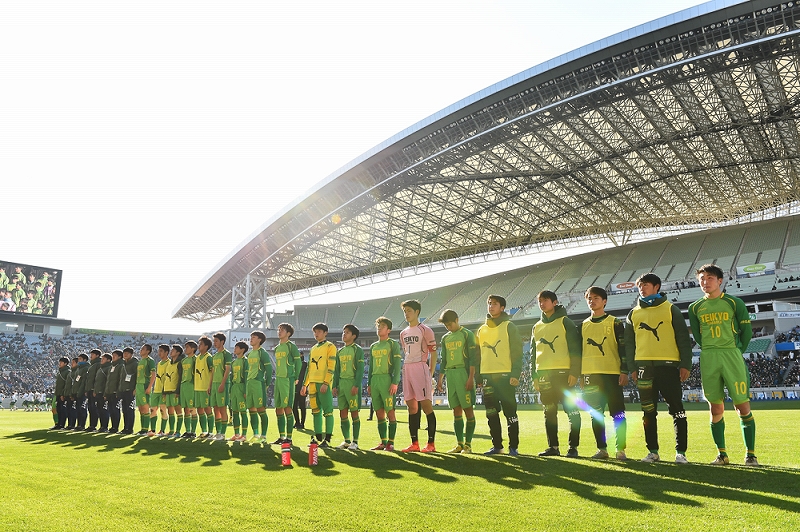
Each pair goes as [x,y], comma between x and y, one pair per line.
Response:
[657,150]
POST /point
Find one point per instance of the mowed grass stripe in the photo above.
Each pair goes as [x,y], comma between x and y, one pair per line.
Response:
[76,481]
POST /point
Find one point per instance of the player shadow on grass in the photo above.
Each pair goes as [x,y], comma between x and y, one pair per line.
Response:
[665,483]
[186,451]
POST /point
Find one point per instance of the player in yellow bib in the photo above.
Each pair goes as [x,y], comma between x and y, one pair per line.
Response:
[501,365]
[557,344]
[605,371]
[659,356]
[157,401]
[203,375]
[721,326]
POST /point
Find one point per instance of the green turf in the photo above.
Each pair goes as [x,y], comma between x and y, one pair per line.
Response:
[71,481]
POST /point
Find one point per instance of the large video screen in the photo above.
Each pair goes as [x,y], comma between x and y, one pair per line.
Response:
[26,289]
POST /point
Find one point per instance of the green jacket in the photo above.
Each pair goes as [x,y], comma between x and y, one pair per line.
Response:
[112,381]
[127,378]
[61,381]
[69,389]
[101,377]
[80,380]
[91,374]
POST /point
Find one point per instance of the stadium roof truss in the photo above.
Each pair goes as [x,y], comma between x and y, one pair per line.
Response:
[683,123]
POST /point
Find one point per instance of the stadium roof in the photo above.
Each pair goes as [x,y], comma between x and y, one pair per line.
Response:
[684,122]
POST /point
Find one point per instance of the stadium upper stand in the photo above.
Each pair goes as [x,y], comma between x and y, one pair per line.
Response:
[687,122]
[521,286]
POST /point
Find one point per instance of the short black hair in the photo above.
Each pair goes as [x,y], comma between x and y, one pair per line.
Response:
[221,337]
[711,269]
[178,348]
[413,304]
[288,328]
[352,328]
[242,345]
[260,335]
[449,316]
[596,291]
[548,294]
[320,327]
[205,340]
[499,299]
[651,278]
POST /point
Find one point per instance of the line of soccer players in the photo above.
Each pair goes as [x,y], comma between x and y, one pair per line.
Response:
[581,368]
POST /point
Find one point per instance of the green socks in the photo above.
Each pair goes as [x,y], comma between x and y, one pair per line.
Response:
[470,429]
[282,425]
[356,429]
[392,431]
[749,433]
[346,429]
[263,416]
[382,431]
[458,427]
[718,433]
[254,422]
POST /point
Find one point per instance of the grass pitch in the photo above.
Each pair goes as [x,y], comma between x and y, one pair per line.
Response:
[77,481]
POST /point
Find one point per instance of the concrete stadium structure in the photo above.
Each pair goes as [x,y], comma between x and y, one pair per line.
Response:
[685,123]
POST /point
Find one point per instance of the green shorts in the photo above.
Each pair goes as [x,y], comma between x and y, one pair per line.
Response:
[379,391]
[156,399]
[318,400]
[255,397]
[284,392]
[142,399]
[238,402]
[202,399]
[348,401]
[187,395]
[219,400]
[724,368]
[171,400]
[457,394]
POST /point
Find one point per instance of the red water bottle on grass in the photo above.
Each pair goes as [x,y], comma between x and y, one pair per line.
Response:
[286,453]
[313,453]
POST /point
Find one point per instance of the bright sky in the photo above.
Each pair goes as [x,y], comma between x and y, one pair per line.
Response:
[141,142]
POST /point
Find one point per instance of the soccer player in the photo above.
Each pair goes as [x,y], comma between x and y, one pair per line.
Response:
[239,372]
[59,399]
[91,376]
[127,389]
[100,401]
[458,361]
[419,345]
[288,363]
[657,337]
[605,371]
[69,392]
[145,378]
[259,372]
[173,384]
[219,386]
[321,363]
[157,400]
[186,392]
[347,376]
[558,367]
[386,360]
[501,365]
[79,391]
[299,407]
[721,326]
[204,366]
[111,390]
